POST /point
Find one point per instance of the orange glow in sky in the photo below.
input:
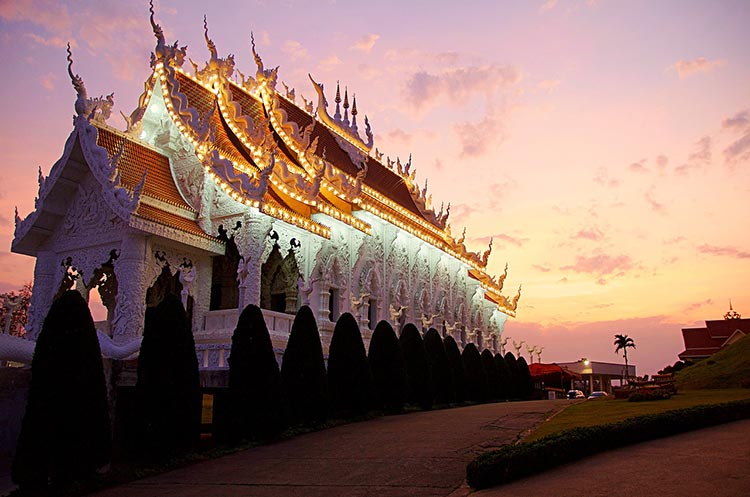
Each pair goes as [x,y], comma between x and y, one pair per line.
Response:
[604,145]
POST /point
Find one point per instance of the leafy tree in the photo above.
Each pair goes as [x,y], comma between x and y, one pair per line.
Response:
[457,367]
[168,386]
[490,372]
[65,433]
[303,371]
[624,342]
[19,302]
[349,383]
[476,379]
[419,385]
[514,390]
[525,384]
[387,367]
[503,375]
[255,392]
[442,378]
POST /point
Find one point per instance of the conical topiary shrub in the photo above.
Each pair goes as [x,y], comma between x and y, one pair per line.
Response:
[255,393]
[457,368]
[525,385]
[503,376]
[168,386]
[387,367]
[490,371]
[442,378]
[303,371]
[65,433]
[349,385]
[418,383]
[476,380]
[514,380]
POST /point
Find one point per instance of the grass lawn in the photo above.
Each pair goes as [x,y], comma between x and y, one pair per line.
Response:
[609,410]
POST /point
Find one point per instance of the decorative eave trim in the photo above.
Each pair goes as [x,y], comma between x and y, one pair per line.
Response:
[117,197]
[206,242]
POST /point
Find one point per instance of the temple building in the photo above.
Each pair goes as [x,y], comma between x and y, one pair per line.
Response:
[228,191]
[701,343]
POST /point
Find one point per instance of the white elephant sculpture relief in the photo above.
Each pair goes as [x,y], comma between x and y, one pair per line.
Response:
[17,349]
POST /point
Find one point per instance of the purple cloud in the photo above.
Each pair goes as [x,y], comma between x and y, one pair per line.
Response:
[593,234]
[424,89]
[601,264]
[723,251]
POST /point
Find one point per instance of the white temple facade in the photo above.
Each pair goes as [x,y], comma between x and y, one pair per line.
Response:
[229,192]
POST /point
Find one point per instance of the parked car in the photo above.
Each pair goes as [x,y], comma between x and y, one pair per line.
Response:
[576,394]
[598,395]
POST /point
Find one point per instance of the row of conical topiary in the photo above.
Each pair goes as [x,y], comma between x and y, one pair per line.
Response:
[262,399]
[66,431]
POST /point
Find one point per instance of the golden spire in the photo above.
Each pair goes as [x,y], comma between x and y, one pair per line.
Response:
[732,314]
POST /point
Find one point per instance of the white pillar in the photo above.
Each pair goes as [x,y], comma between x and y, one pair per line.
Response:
[130,268]
[251,242]
[43,291]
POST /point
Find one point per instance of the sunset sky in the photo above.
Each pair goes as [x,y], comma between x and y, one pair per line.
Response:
[605,145]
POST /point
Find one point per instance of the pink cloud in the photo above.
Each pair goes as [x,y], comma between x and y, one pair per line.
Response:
[654,204]
[662,161]
[638,167]
[329,63]
[603,178]
[502,237]
[547,6]
[542,269]
[685,68]
[700,156]
[600,264]
[739,149]
[549,85]
[54,41]
[366,43]
[48,81]
[723,251]
[737,121]
[295,50]
[51,15]
[478,138]
[593,234]
[398,136]
[697,305]
[461,212]
[424,89]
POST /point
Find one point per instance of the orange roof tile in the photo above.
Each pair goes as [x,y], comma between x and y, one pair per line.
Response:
[136,159]
[165,218]
[378,177]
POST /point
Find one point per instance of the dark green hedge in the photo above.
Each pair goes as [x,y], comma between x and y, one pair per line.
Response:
[418,373]
[255,394]
[387,367]
[349,382]
[442,378]
[65,433]
[303,371]
[517,461]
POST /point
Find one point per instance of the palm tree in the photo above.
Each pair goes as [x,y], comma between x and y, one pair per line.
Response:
[622,342]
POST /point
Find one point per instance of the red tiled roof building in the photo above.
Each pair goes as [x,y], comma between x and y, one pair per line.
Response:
[704,342]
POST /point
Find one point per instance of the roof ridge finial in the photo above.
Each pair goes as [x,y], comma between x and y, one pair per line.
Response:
[354,128]
[81,104]
[337,114]
[732,314]
[158,32]
[209,42]
[346,108]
